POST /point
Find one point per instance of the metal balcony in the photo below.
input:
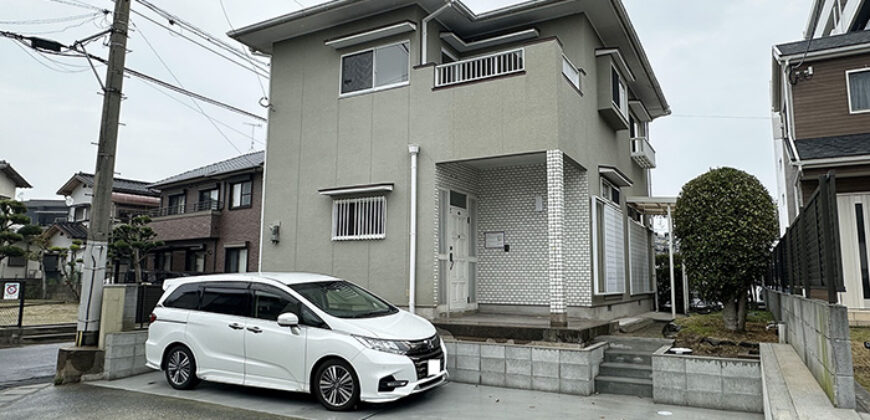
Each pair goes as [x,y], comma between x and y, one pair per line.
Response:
[643,153]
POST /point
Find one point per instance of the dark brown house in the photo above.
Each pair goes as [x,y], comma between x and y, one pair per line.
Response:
[821,108]
[209,218]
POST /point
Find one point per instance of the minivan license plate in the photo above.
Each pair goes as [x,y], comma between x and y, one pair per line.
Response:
[434,367]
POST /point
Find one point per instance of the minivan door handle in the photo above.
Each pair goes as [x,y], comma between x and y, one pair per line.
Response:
[255,330]
[236,326]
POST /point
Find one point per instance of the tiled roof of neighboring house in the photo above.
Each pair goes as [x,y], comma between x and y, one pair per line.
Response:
[74,230]
[825,43]
[129,186]
[238,163]
[833,147]
[44,203]
[19,180]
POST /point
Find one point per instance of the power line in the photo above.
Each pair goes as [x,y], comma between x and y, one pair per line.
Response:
[55,69]
[54,44]
[724,117]
[66,28]
[175,20]
[255,70]
[250,60]
[76,3]
[196,104]
[48,20]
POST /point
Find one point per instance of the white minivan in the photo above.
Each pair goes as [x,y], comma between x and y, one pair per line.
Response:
[295,332]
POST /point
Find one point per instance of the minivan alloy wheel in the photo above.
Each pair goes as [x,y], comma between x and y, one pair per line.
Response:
[178,367]
[336,385]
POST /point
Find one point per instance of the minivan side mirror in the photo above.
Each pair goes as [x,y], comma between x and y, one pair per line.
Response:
[288,319]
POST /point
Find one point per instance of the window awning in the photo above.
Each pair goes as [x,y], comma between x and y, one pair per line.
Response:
[356,189]
[615,176]
[372,35]
[657,206]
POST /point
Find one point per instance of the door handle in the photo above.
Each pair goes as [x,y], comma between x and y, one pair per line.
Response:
[451,261]
[255,330]
[236,326]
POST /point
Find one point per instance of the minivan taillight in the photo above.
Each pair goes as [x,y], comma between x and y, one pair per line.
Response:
[152,318]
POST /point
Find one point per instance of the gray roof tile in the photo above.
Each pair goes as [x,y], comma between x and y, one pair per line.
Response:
[835,146]
[238,163]
[825,43]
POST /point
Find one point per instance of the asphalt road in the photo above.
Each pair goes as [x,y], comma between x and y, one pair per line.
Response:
[28,364]
[73,402]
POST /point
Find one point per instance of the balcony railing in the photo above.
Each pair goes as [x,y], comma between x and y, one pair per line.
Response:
[643,153]
[185,209]
[478,68]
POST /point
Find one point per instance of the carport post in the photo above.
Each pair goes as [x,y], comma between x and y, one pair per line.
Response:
[685,290]
[671,265]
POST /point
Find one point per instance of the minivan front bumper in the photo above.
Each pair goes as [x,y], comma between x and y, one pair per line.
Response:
[373,365]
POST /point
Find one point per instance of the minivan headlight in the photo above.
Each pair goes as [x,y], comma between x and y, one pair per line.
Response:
[389,346]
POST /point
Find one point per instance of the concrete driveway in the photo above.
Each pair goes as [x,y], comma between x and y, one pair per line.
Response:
[453,400]
[28,364]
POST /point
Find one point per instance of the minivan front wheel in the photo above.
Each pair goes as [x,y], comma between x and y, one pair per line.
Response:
[336,385]
[181,368]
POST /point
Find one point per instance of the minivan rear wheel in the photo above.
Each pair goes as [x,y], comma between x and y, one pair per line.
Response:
[336,385]
[181,368]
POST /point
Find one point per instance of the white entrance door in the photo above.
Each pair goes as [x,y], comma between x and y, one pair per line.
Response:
[854,219]
[457,260]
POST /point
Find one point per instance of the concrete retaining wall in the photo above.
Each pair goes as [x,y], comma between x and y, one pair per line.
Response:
[552,369]
[125,354]
[819,333]
[708,382]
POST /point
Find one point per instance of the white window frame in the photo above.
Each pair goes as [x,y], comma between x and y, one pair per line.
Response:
[596,287]
[623,93]
[849,90]
[577,73]
[650,267]
[608,186]
[374,70]
[337,202]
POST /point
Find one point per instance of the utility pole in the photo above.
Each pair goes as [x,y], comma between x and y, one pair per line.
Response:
[96,250]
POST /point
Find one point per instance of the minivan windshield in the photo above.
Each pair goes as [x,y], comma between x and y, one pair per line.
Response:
[344,299]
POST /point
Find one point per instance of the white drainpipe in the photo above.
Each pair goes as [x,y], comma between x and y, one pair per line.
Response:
[425,33]
[414,150]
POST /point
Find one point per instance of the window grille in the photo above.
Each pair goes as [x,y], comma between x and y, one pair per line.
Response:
[359,218]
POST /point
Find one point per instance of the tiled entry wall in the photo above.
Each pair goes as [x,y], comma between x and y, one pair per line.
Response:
[507,201]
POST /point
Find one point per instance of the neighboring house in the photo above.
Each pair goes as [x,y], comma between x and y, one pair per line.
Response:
[10,180]
[829,17]
[527,128]
[209,218]
[129,197]
[821,111]
[45,213]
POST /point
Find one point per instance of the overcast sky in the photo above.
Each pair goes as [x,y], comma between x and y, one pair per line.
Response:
[712,59]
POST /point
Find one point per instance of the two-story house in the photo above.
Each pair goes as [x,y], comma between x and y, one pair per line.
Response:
[129,197]
[452,161]
[45,213]
[10,181]
[209,218]
[821,123]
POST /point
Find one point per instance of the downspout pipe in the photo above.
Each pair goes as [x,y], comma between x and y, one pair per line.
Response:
[425,32]
[414,150]
[789,105]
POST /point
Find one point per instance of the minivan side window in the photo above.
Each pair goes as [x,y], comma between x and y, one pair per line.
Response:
[270,303]
[225,300]
[185,296]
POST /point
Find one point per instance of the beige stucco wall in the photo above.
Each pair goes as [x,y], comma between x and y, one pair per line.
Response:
[318,140]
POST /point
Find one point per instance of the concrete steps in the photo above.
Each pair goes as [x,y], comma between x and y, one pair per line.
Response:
[628,356]
[627,366]
[625,370]
[42,334]
[624,386]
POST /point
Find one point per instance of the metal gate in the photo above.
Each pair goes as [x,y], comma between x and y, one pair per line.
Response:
[12,303]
